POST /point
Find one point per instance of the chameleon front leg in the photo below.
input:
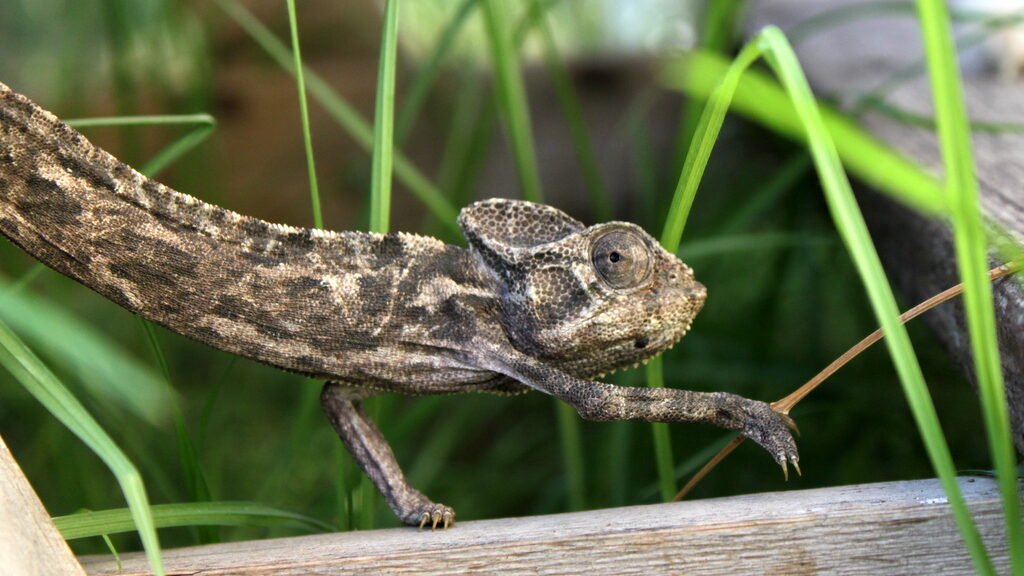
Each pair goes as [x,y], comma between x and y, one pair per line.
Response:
[601,402]
[369,448]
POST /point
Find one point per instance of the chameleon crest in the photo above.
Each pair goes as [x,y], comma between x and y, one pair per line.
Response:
[537,302]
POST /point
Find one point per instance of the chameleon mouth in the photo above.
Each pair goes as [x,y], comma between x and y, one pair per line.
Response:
[694,293]
[642,343]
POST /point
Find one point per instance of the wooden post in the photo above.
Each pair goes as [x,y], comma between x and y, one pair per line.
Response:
[29,542]
[887,528]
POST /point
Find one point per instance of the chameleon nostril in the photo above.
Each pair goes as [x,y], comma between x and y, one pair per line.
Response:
[641,342]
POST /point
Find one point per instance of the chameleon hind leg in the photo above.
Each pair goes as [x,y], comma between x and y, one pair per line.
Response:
[367,445]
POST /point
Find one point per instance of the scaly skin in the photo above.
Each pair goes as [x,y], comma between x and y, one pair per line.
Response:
[538,301]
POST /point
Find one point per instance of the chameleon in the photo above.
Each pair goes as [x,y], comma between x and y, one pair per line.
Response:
[535,301]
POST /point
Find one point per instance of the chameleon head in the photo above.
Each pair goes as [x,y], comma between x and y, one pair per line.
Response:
[588,300]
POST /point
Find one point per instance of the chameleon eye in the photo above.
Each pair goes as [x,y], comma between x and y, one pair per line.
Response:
[621,258]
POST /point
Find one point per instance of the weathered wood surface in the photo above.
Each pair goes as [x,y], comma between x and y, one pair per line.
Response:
[29,542]
[858,56]
[890,528]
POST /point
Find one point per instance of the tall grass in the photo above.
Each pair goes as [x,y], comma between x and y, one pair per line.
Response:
[573,112]
[39,381]
[512,102]
[961,189]
[772,45]
[307,138]
[511,95]
[87,523]
[82,346]
[968,232]
[383,124]
[203,125]
[342,112]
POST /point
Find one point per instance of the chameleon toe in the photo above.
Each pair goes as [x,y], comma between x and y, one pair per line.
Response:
[437,515]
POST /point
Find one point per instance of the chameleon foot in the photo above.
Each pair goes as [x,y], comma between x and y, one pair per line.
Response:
[773,431]
[437,514]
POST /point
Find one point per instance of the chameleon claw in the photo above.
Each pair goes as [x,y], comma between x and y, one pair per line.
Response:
[790,423]
[785,469]
[796,466]
[436,516]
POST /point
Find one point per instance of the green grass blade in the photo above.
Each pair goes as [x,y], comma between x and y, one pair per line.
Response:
[465,123]
[600,201]
[197,488]
[304,419]
[772,45]
[343,113]
[380,192]
[204,126]
[844,14]
[572,455]
[663,459]
[175,150]
[113,551]
[709,248]
[469,139]
[530,20]
[654,370]
[691,464]
[427,71]
[872,102]
[716,34]
[762,99]
[970,243]
[383,125]
[27,278]
[512,103]
[241,514]
[768,194]
[706,134]
[211,401]
[307,138]
[37,379]
[636,128]
[511,96]
[151,120]
[107,371]
[119,26]
[851,226]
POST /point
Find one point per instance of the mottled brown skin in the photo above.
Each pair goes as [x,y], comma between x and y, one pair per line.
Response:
[537,301]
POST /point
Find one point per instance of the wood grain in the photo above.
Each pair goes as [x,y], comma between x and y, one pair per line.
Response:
[891,528]
[859,55]
[29,542]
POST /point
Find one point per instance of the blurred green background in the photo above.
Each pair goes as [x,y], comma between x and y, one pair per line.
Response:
[783,302]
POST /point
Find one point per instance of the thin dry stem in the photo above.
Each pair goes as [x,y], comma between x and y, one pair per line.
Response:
[786,404]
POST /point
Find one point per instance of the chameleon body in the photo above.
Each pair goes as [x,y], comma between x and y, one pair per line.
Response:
[537,301]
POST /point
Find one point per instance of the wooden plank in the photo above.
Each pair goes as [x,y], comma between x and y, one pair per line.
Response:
[859,55]
[29,542]
[891,528]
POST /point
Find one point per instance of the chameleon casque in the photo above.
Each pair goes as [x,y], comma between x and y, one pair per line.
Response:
[538,301]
